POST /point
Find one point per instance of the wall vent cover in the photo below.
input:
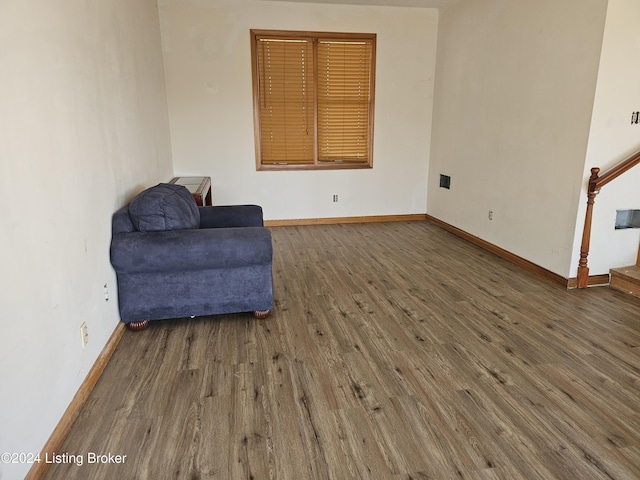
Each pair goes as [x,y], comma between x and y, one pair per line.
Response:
[627,219]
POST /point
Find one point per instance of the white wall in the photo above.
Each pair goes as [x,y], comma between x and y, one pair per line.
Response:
[613,139]
[83,127]
[514,92]
[208,74]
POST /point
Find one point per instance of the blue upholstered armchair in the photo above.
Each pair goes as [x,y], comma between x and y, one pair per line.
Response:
[174,259]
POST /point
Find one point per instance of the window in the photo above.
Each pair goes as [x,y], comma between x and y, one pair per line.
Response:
[313,99]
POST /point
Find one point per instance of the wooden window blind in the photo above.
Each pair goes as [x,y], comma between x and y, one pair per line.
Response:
[313,99]
[286,101]
[343,100]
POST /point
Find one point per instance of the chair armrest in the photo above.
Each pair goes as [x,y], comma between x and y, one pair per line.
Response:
[190,250]
[231,216]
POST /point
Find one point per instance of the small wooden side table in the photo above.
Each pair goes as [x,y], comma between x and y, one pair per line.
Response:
[199,187]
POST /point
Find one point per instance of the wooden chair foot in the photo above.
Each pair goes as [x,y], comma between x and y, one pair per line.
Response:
[261,314]
[138,326]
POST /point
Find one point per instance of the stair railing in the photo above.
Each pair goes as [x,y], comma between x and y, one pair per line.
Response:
[596,182]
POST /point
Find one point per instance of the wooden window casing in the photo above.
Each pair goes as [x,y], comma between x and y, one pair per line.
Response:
[313,97]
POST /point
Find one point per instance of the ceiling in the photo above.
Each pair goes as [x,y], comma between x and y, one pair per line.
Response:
[388,3]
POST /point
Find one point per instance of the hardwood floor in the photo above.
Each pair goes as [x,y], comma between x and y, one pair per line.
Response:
[395,351]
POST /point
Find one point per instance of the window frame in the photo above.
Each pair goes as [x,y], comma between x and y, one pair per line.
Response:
[314,37]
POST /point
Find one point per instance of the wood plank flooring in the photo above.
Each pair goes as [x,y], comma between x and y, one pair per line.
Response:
[395,351]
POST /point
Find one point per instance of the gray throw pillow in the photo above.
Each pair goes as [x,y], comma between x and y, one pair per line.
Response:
[166,206]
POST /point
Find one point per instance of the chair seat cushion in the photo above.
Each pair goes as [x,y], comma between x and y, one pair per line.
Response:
[166,206]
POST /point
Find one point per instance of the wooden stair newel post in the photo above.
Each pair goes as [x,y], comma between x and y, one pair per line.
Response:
[583,269]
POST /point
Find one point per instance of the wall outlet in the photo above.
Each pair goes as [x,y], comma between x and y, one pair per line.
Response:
[490,215]
[84,334]
[335,198]
[106,293]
